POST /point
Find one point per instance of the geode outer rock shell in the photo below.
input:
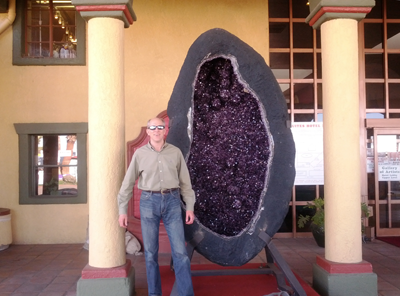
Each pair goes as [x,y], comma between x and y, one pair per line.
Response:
[229,118]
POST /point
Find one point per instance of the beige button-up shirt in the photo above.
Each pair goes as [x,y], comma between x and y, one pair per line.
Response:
[157,170]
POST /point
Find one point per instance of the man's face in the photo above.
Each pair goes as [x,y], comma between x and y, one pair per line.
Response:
[156,135]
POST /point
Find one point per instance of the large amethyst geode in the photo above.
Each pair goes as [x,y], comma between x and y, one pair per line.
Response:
[229,118]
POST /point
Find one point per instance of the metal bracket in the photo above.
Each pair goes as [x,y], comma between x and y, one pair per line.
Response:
[276,265]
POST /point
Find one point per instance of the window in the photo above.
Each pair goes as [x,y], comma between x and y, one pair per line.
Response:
[52,163]
[48,32]
[295,60]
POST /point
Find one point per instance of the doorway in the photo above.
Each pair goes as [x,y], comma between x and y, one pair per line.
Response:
[386,171]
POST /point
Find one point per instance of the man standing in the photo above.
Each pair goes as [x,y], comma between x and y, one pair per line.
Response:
[163,177]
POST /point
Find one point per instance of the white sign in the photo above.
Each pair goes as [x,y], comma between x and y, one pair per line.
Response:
[309,162]
[64,153]
[387,143]
[389,167]
[389,171]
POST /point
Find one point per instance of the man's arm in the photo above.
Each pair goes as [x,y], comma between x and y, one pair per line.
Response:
[125,192]
[123,220]
[189,217]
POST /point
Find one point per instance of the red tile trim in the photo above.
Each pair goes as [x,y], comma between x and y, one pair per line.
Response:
[90,272]
[346,268]
[119,7]
[338,9]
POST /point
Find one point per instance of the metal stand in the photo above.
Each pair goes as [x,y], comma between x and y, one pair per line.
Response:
[276,265]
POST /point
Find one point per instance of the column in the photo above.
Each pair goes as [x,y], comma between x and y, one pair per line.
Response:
[108,272]
[342,271]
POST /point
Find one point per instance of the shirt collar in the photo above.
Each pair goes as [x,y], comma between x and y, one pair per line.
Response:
[151,147]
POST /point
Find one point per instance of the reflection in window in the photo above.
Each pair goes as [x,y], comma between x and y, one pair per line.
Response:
[50,29]
[55,164]
[303,65]
[49,170]
[278,9]
[375,95]
[394,95]
[373,35]
[304,96]
[280,65]
[374,65]
[279,35]
[394,64]
[393,36]
[302,35]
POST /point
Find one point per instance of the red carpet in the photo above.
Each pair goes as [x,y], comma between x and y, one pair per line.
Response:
[232,285]
[393,240]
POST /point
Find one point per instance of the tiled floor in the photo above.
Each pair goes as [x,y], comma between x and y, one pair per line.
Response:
[48,270]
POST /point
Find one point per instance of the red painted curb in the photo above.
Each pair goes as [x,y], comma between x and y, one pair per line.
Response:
[344,268]
[90,272]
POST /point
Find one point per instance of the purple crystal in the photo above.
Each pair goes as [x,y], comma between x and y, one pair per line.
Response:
[230,151]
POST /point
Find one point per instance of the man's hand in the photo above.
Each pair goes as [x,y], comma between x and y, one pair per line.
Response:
[123,220]
[189,217]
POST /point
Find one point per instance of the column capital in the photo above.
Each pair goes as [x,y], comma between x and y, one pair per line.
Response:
[118,9]
[325,10]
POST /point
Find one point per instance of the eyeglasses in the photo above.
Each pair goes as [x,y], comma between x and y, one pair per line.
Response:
[154,127]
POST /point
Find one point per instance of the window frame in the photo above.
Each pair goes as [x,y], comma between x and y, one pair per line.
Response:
[26,162]
[19,42]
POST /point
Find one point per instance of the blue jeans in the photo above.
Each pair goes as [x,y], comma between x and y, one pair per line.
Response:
[153,208]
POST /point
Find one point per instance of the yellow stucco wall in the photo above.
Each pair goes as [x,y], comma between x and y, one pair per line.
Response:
[31,94]
[155,48]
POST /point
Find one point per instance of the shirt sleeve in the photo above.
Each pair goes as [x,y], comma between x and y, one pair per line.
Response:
[185,184]
[126,190]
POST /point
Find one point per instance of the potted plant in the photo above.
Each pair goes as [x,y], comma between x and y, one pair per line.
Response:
[317,225]
[317,221]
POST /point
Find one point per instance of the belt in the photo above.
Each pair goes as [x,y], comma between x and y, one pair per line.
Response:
[163,191]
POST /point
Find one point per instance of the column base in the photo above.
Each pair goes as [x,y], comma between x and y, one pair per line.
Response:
[118,281]
[340,279]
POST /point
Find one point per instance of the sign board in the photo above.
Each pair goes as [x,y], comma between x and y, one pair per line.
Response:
[309,163]
[389,167]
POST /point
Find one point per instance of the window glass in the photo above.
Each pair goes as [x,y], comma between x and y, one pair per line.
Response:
[305,192]
[393,35]
[374,67]
[376,11]
[278,8]
[50,27]
[302,35]
[280,64]
[393,9]
[48,32]
[304,96]
[309,117]
[303,66]
[318,35]
[300,8]
[373,35]
[319,66]
[394,65]
[52,165]
[279,35]
[55,159]
[394,95]
[375,95]
[285,87]
[320,96]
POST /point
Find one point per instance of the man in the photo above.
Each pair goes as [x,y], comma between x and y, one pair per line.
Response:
[163,177]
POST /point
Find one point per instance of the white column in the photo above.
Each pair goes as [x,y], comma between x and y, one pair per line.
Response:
[341,141]
[106,140]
